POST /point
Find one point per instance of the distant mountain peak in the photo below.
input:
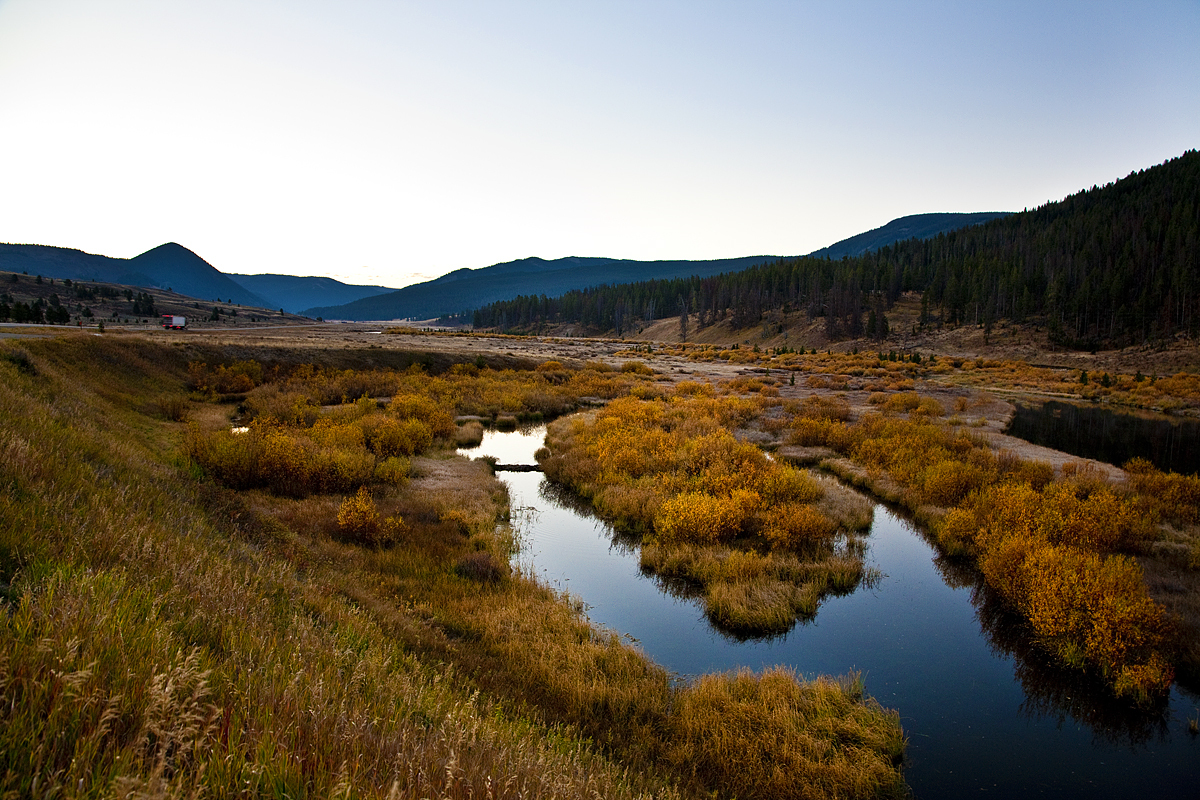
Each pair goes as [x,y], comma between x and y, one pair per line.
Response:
[913,226]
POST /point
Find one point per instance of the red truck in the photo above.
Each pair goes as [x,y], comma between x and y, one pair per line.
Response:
[174,323]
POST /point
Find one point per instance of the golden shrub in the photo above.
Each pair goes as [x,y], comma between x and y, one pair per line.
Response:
[792,525]
[902,402]
[426,410]
[393,470]
[1170,495]
[700,517]
[357,515]
[787,483]
[929,407]
[810,432]
[946,483]
[694,389]
[330,432]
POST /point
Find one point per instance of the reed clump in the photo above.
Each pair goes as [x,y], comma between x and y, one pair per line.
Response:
[469,434]
[793,740]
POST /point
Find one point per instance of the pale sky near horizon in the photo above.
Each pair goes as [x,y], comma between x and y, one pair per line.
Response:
[378,141]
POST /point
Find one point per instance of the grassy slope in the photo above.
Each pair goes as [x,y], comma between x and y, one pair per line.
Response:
[165,636]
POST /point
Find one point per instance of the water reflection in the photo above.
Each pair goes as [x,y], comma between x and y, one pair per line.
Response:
[1052,692]
[629,544]
[1059,694]
[1091,431]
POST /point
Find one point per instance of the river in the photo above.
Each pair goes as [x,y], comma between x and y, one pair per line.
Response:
[982,710]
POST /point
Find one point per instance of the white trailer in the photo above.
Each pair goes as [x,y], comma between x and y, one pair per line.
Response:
[174,323]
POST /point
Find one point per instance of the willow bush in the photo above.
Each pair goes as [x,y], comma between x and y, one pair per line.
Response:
[671,470]
[1056,550]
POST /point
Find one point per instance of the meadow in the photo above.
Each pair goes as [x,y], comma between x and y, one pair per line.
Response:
[319,603]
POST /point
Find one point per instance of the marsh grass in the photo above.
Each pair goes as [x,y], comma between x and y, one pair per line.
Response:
[153,650]
[469,434]
[751,594]
[776,737]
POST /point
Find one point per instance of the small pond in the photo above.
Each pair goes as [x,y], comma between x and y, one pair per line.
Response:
[1091,431]
[983,712]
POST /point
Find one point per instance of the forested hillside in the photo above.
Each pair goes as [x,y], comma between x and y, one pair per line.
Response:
[1115,264]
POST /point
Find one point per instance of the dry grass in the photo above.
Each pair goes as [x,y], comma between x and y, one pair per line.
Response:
[469,434]
[820,740]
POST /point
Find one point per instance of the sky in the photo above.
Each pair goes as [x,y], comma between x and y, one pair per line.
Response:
[389,142]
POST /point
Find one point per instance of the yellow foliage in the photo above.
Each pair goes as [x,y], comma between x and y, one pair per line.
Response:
[1172,496]
[789,484]
[357,515]
[792,525]
[696,516]
[393,470]
[902,402]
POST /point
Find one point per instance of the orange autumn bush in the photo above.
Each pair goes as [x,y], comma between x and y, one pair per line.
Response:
[1171,496]
[789,526]
[1050,552]
[672,469]
[1055,550]
[704,518]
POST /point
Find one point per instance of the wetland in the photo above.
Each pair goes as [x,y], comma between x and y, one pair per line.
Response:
[982,708]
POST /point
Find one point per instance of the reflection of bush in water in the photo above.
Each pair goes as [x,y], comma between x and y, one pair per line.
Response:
[625,542]
[1053,692]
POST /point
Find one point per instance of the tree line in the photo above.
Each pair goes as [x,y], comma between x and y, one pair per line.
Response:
[1111,265]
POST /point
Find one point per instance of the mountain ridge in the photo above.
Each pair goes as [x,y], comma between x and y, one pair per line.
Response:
[552,278]
[1114,265]
[511,278]
[294,293]
[174,266]
[167,266]
[912,226]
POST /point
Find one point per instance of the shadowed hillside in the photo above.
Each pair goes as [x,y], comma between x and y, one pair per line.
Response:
[168,266]
[1109,266]
[294,294]
[466,289]
[914,226]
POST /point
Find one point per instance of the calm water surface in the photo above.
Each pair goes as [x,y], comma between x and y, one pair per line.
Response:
[1092,431]
[982,711]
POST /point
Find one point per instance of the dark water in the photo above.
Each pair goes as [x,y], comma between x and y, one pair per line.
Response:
[1114,437]
[983,712]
